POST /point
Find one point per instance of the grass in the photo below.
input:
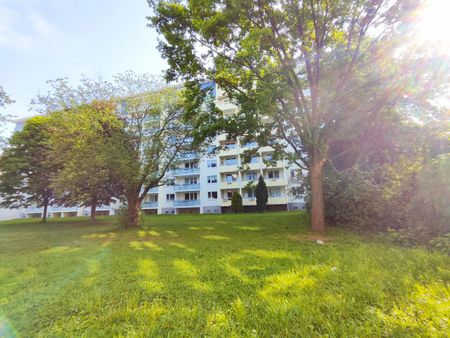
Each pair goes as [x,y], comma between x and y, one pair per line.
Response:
[214,275]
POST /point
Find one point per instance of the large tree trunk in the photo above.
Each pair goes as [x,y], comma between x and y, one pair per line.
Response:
[134,206]
[93,208]
[44,213]
[317,202]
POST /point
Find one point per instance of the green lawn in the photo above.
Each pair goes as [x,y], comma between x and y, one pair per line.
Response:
[214,275]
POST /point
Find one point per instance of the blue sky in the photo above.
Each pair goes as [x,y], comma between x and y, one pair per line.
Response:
[45,39]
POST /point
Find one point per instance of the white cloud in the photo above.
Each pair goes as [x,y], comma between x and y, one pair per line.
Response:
[21,27]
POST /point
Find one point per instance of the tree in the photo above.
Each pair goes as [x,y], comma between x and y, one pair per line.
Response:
[262,195]
[236,203]
[307,73]
[153,136]
[27,168]
[154,140]
[82,148]
[5,100]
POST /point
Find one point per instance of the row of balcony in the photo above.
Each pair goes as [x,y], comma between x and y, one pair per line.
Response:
[250,166]
[236,184]
[252,201]
[176,203]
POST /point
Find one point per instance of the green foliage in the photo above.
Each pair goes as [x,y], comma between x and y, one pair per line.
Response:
[308,74]
[441,243]
[353,198]
[236,203]
[130,130]
[241,275]
[262,195]
[408,199]
[83,139]
[27,167]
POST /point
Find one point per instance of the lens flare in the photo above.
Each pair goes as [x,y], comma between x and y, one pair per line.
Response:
[433,24]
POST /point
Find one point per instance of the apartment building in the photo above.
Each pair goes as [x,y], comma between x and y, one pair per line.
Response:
[205,184]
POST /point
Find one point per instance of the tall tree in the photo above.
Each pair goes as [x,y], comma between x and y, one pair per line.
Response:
[155,139]
[236,203]
[307,73]
[153,136]
[27,169]
[262,195]
[81,144]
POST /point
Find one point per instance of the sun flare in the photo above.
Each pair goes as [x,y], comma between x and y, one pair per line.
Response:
[433,24]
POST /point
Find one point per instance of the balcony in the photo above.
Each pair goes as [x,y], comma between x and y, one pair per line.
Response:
[186,171]
[277,200]
[277,164]
[51,209]
[229,185]
[228,168]
[249,201]
[149,205]
[187,187]
[186,203]
[225,202]
[226,106]
[154,190]
[275,182]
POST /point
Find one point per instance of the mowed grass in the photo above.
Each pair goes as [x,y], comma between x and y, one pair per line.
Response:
[252,275]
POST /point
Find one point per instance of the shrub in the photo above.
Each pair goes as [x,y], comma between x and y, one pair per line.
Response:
[236,203]
[262,195]
[122,216]
[441,243]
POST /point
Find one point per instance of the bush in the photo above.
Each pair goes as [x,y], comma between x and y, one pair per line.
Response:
[262,195]
[441,243]
[353,199]
[236,203]
[122,216]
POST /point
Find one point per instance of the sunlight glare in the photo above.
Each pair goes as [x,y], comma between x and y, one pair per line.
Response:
[434,24]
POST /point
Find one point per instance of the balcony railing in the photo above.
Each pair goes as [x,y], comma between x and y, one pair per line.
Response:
[187,187]
[186,171]
[186,203]
[147,205]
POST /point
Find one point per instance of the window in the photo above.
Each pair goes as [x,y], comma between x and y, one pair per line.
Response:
[273,175]
[251,144]
[230,161]
[252,176]
[229,194]
[170,197]
[254,159]
[268,157]
[274,192]
[212,195]
[190,165]
[152,198]
[170,181]
[212,163]
[229,178]
[229,146]
[212,179]
[250,193]
[190,196]
[190,180]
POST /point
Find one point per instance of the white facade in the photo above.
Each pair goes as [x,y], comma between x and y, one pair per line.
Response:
[206,184]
